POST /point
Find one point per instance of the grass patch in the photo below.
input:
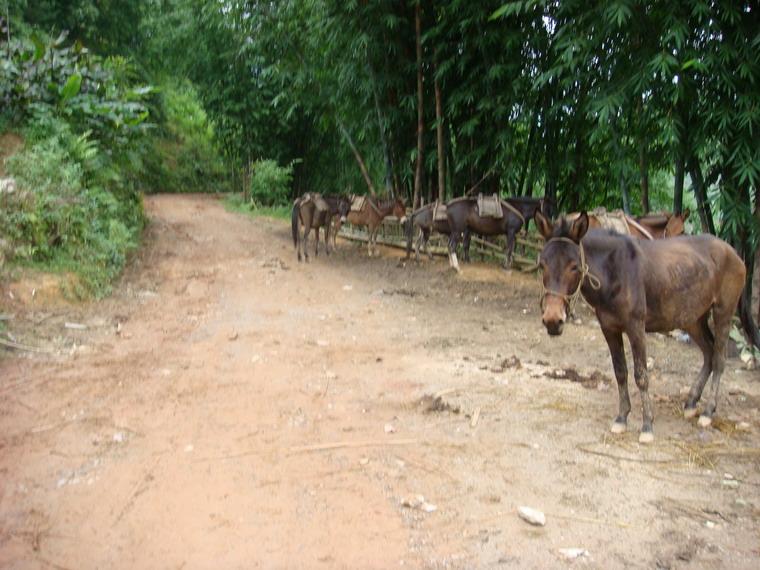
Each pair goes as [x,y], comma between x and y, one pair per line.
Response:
[236,203]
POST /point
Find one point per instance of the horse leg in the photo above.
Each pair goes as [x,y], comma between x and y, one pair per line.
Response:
[418,244]
[425,243]
[722,324]
[327,235]
[306,232]
[510,250]
[453,242]
[637,336]
[617,352]
[702,335]
[466,245]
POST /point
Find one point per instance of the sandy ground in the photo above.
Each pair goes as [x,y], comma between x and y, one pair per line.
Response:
[230,408]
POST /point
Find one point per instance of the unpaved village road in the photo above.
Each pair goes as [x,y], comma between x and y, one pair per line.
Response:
[230,408]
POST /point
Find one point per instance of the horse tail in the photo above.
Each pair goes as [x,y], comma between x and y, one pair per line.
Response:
[294,222]
[409,229]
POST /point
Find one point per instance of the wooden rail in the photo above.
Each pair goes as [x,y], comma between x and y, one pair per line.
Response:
[391,234]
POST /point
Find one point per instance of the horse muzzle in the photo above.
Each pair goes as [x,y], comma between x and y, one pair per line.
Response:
[343,219]
[402,220]
[554,316]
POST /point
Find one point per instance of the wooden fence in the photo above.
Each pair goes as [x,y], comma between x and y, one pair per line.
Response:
[391,234]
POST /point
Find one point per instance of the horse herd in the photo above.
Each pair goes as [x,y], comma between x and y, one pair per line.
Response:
[638,274]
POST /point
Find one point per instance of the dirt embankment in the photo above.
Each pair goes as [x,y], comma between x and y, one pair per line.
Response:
[229,408]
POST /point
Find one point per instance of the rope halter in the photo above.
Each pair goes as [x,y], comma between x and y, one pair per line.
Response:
[572,298]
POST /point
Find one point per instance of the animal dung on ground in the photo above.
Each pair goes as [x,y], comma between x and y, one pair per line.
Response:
[419,503]
[430,404]
[532,516]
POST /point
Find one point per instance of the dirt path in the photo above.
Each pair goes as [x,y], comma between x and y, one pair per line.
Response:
[179,429]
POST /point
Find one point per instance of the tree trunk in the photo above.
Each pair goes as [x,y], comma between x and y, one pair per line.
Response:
[358,157]
[420,109]
[644,176]
[529,148]
[678,182]
[383,137]
[439,134]
[703,205]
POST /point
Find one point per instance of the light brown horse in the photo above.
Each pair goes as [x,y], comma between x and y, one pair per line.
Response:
[638,286]
[372,214]
[664,224]
[651,226]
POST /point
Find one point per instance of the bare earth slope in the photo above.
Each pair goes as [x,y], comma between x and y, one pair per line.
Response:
[230,408]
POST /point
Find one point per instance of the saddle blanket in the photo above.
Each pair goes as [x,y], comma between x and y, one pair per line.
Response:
[489,206]
[615,220]
[439,212]
[357,204]
[319,203]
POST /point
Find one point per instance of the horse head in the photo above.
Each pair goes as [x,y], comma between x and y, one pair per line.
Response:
[563,267]
[675,225]
[344,207]
[399,210]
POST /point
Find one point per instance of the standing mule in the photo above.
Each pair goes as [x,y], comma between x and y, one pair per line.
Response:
[422,218]
[372,214]
[464,220]
[313,211]
[640,286]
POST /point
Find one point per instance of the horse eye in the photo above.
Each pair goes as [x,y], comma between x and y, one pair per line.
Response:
[573,266]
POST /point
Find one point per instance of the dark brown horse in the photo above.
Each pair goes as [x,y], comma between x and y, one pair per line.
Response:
[422,218]
[639,286]
[372,214]
[313,211]
[464,220]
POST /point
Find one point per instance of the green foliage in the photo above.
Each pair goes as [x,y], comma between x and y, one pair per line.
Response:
[184,156]
[63,214]
[270,183]
[238,203]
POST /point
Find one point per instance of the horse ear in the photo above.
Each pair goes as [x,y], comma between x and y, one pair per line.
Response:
[543,224]
[579,227]
[686,214]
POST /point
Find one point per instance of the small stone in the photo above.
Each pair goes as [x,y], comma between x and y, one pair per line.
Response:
[389,428]
[348,287]
[255,358]
[573,553]
[728,476]
[578,322]
[730,483]
[743,426]
[650,363]
[363,460]
[189,447]
[233,336]
[532,516]
[710,524]
[119,437]
[428,507]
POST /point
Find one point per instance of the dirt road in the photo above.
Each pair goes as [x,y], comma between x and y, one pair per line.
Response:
[229,408]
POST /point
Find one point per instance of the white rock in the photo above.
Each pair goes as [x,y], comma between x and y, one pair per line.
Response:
[363,460]
[428,507]
[731,483]
[532,516]
[119,437]
[347,287]
[573,553]
[189,447]
[389,428]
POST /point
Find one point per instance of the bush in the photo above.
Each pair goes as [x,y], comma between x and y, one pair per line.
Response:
[270,183]
[71,209]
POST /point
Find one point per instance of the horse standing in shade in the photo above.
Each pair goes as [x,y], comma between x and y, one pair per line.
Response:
[639,286]
[372,213]
[423,218]
[465,219]
[314,211]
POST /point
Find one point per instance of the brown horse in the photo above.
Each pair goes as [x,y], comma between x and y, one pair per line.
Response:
[315,211]
[464,220]
[372,214]
[639,286]
[651,226]
[664,224]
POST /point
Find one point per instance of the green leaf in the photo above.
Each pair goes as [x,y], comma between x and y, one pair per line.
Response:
[72,87]
[39,47]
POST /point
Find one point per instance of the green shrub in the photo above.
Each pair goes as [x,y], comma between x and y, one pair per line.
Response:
[71,210]
[270,183]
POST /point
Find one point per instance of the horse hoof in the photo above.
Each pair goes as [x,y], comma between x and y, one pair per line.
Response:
[704,421]
[618,427]
[646,437]
[689,413]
